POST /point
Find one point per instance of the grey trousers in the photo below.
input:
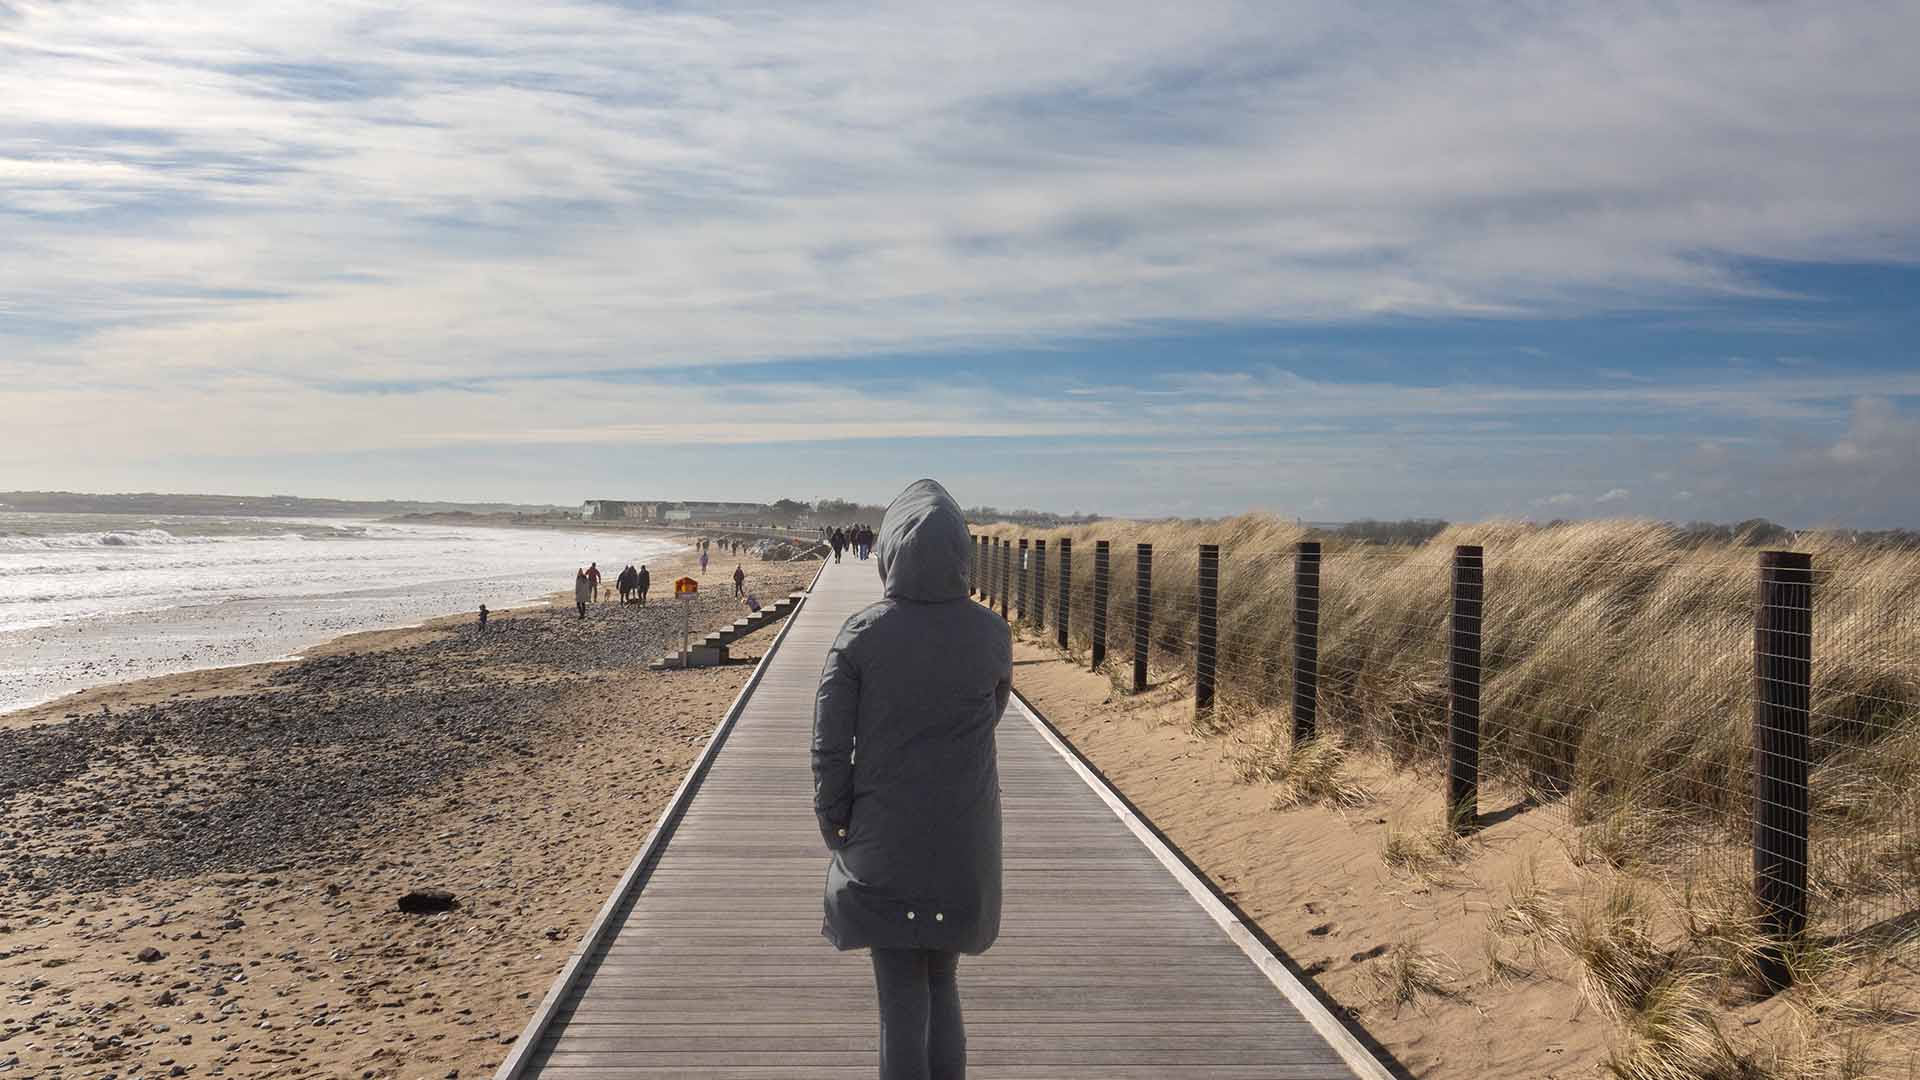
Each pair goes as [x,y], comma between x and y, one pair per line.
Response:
[921,1036]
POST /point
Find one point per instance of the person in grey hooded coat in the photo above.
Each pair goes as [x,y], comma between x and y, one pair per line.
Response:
[907,785]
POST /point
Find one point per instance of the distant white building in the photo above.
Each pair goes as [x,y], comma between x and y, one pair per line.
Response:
[661,510]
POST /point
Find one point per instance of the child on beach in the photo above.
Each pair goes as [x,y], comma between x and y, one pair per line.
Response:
[914,824]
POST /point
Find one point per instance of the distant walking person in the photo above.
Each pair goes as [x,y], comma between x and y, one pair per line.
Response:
[640,583]
[839,542]
[582,591]
[739,580]
[703,559]
[593,581]
[483,618]
[914,825]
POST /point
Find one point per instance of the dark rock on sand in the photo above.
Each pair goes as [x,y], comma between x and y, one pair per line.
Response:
[427,902]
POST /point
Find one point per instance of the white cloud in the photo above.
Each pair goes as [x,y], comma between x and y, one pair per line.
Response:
[1613,495]
[218,215]
[490,187]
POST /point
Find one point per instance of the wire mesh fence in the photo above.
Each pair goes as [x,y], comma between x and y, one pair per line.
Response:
[1666,705]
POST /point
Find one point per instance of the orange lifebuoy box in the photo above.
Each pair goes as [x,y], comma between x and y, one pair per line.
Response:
[685,586]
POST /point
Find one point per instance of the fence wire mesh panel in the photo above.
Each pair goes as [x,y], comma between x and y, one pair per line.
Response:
[1623,684]
[1863,738]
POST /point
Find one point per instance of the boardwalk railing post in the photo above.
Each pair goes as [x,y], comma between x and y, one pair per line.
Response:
[1006,571]
[1100,564]
[1463,689]
[1020,583]
[1782,678]
[1206,640]
[1306,641]
[1039,584]
[1065,600]
[1142,612]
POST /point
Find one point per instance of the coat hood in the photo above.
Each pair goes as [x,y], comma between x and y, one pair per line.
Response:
[925,550]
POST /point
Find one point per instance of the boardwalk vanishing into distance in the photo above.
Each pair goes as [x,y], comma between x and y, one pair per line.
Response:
[1112,964]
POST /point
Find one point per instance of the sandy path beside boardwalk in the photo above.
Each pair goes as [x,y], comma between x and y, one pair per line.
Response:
[261,855]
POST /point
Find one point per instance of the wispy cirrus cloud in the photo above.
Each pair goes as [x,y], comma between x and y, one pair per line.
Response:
[282,229]
[477,186]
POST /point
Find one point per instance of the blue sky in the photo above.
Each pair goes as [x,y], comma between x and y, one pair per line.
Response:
[1448,260]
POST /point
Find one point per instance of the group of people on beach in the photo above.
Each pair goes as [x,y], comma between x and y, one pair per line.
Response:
[634,582]
[855,538]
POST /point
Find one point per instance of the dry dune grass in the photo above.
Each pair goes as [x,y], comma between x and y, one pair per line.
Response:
[1617,690]
[1617,680]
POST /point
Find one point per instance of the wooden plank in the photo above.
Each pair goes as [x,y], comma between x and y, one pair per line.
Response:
[713,966]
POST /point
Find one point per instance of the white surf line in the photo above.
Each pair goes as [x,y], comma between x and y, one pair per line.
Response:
[1358,1057]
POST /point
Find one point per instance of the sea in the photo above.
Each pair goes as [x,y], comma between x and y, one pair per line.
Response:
[90,599]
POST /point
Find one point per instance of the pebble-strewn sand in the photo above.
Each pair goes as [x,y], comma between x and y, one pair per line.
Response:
[200,878]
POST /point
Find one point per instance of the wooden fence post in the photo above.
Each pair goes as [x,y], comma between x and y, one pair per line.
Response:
[1142,613]
[1100,564]
[973,566]
[1039,584]
[1006,573]
[1206,638]
[1463,683]
[1782,688]
[1020,582]
[1306,641]
[986,570]
[1065,601]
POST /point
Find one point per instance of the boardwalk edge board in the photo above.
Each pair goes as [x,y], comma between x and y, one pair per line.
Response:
[635,877]
[1357,1056]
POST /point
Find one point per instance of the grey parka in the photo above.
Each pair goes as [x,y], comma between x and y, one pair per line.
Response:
[906,784]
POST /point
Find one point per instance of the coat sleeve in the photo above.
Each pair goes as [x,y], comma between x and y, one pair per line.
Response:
[1003,689]
[836,712]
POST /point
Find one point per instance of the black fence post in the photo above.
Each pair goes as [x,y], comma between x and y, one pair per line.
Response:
[1463,682]
[1006,572]
[986,569]
[973,566]
[1039,584]
[1100,565]
[1020,582]
[1207,627]
[1306,641]
[1065,601]
[1782,685]
[1142,612]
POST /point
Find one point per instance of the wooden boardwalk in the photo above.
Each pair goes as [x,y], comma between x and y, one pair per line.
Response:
[1110,964]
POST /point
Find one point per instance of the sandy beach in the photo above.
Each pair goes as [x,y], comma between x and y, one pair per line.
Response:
[202,871]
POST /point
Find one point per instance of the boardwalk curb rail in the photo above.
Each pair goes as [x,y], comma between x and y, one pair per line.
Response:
[512,1068]
[1357,1057]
